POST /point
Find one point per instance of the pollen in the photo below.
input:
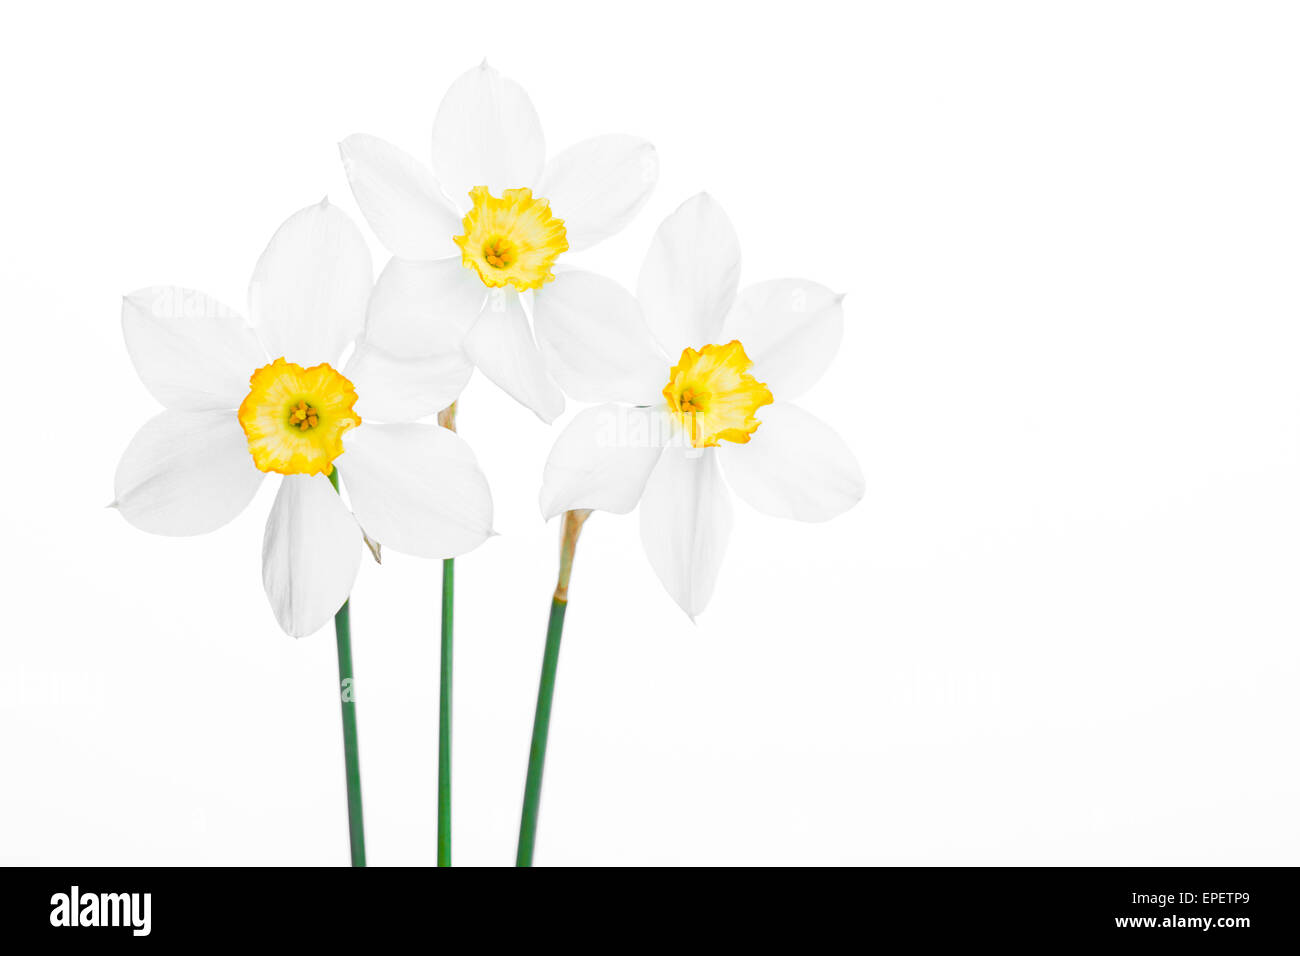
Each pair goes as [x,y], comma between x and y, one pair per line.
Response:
[500,253]
[294,418]
[712,395]
[304,416]
[513,240]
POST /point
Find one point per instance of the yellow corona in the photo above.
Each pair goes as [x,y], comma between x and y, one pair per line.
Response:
[713,396]
[295,417]
[513,240]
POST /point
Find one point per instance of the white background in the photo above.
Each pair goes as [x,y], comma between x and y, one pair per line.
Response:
[1061,627]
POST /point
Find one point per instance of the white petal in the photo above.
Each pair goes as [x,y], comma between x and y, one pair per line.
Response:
[486,133]
[399,198]
[791,328]
[598,185]
[191,351]
[689,278]
[596,342]
[501,345]
[423,308]
[603,459]
[186,473]
[685,525]
[309,290]
[401,390]
[794,466]
[417,489]
[310,554]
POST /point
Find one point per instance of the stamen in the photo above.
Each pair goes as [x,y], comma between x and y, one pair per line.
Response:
[304,416]
[499,253]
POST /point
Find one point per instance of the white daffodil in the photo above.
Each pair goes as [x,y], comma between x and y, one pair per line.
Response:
[709,375]
[243,400]
[486,224]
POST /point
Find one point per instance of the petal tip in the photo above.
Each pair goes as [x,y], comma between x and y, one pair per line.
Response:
[548,417]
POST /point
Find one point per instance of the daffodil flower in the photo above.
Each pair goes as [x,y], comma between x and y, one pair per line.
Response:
[243,401]
[710,375]
[486,225]
[695,381]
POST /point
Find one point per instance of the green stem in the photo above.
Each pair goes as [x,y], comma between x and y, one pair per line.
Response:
[546,690]
[347,697]
[447,419]
[351,758]
[444,715]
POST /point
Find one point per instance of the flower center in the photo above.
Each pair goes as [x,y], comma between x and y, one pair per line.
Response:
[295,417]
[304,416]
[500,252]
[513,240]
[713,396]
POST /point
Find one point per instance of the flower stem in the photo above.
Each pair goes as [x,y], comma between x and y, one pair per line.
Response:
[447,419]
[546,689]
[347,697]
[444,716]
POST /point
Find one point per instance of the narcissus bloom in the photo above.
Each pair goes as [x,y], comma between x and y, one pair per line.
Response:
[485,227]
[709,375]
[246,400]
